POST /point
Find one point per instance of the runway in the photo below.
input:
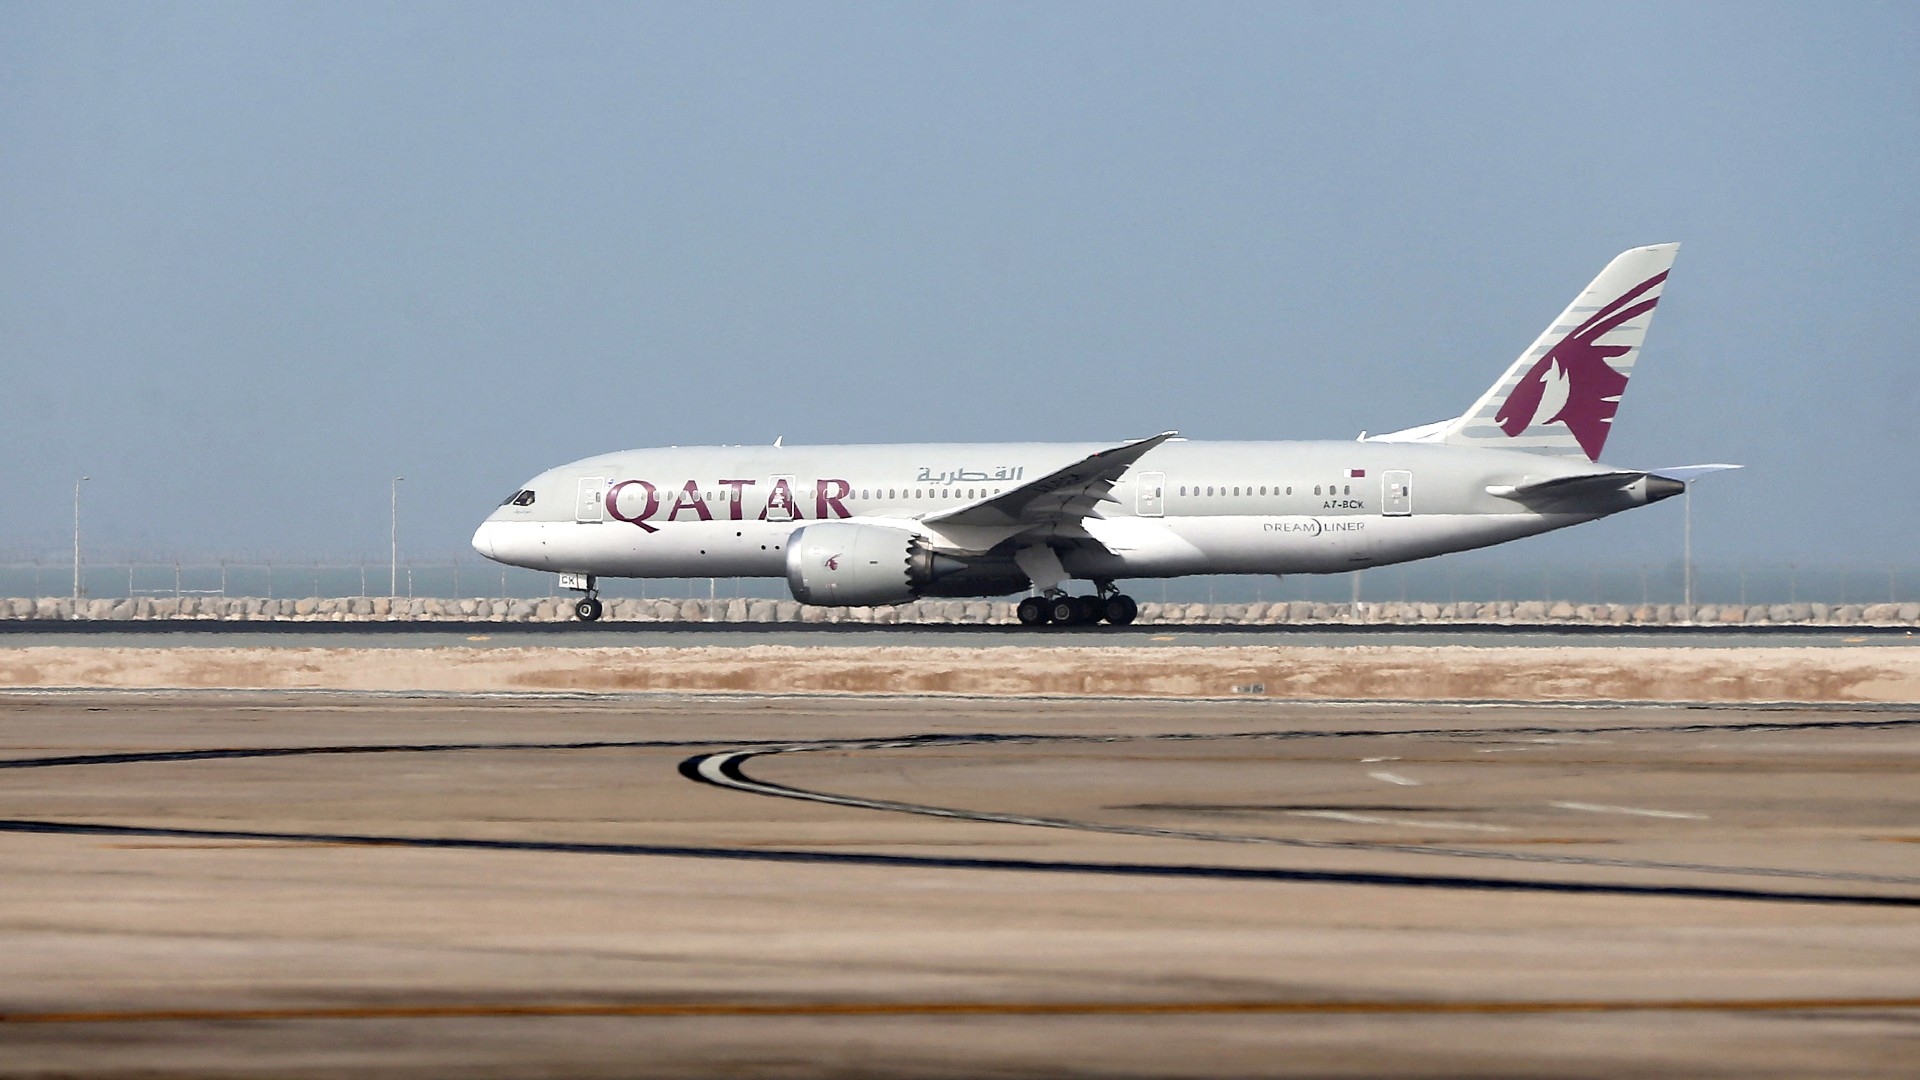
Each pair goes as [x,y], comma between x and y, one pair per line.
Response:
[669,886]
[197,633]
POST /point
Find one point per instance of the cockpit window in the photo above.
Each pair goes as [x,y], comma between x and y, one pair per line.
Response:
[518,498]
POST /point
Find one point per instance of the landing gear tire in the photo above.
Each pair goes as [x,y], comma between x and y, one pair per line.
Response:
[1033,612]
[587,610]
[1064,610]
[1119,609]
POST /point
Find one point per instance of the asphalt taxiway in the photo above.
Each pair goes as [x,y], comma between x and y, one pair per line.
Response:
[317,886]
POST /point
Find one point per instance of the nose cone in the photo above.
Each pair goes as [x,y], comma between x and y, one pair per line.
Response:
[483,538]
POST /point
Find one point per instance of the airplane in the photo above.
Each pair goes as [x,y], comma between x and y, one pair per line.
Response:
[858,525]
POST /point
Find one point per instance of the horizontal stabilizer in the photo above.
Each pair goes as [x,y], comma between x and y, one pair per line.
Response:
[1566,487]
[1687,474]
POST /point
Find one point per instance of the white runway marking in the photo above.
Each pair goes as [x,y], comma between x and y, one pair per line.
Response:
[1371,759]
[1395,778]
[1596,808]
[1370,819]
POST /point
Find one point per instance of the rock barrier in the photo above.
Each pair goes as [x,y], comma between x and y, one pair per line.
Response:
[951,612]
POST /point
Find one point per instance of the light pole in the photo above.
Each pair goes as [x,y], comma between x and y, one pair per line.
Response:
[76,536]
[393,537]
[1686,549]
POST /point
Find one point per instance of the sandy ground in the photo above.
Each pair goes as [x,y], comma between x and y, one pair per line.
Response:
[1232,888]
[1361,673]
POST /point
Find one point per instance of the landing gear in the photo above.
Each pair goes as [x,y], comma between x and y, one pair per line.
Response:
[1067,610]
[588,608]
[1059,609]
[1032,612]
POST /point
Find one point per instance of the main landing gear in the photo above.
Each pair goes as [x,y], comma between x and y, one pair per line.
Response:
[1059,609]
[588,608]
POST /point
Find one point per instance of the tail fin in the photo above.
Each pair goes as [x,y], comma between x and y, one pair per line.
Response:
[1560,396]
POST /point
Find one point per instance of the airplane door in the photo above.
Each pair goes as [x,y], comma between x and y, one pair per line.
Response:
[1396,493]
[591,506]
[1150,494]
[780,498]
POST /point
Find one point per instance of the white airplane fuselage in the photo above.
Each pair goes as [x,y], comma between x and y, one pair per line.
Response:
[1183,508]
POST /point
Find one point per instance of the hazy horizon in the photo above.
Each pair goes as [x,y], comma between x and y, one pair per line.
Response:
[261,259]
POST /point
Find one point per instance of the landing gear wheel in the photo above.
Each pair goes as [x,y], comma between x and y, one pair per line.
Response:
[1063,610]
[1120,609]
[1032,612]
[587,610]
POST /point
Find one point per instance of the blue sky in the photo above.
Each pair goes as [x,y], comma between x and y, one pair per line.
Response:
[258,258]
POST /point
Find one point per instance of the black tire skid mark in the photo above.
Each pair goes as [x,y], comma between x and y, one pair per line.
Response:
[730,766]
[689,768]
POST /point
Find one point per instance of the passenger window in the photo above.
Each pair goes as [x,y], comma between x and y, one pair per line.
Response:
[1263,489]
[1183,489]
[1346,489]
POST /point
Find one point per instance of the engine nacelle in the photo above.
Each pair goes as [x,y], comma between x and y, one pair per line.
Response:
[841,564]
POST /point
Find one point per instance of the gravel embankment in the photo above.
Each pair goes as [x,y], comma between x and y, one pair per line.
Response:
[1881,674]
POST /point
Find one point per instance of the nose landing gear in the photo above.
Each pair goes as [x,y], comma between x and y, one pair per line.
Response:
[588,608]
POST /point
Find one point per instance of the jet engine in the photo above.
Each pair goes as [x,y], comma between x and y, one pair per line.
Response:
[840,564]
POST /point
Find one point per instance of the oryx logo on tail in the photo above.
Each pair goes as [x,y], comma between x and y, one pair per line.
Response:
[1573,383]
[1559,396]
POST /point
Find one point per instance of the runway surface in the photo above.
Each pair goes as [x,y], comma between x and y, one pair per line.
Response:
[268,885]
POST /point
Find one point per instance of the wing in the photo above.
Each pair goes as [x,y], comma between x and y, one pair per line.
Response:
[1061,497]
